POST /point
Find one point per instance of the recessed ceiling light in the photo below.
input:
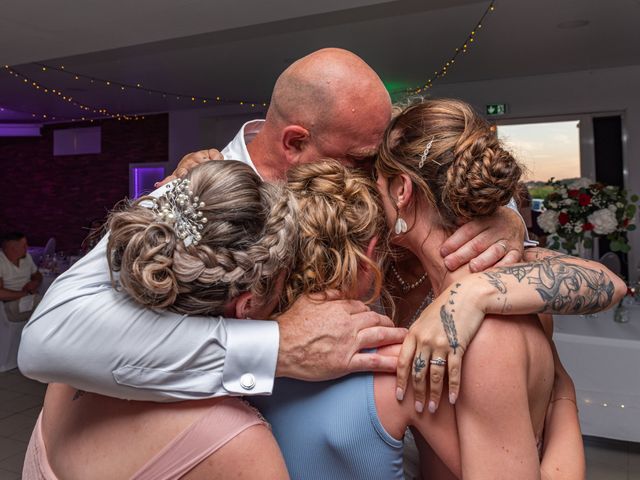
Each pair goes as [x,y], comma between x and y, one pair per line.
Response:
[573,24]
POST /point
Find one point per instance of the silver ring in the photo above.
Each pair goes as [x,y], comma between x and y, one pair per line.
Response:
[440,362]
[503,245]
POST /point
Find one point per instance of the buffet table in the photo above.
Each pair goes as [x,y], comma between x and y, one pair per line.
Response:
[603,358]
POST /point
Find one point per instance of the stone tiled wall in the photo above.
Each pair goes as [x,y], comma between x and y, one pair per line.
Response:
[46,196]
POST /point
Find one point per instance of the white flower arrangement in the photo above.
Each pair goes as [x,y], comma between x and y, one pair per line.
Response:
[604,221]
[579,210]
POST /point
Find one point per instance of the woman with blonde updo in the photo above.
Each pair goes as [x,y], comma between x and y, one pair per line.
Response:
[218,244]
[353,427]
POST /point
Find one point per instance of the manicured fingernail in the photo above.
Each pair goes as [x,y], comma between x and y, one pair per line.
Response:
[432,406]
[399,394]
[452,398]
[419,407]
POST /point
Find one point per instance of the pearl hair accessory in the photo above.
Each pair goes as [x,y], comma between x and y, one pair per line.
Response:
[181,209]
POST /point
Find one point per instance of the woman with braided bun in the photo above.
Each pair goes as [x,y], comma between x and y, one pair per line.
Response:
[441,165]
[218,243]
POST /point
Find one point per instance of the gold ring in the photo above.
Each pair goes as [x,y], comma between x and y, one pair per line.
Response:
[503,245]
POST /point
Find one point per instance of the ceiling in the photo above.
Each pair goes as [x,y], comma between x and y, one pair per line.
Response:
[235,50]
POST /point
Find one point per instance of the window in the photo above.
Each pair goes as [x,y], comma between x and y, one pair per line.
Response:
[549,149]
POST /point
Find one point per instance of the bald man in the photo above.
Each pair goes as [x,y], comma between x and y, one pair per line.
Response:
[327,104]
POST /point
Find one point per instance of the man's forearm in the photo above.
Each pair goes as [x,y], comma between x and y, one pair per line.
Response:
[37,277]
[10,295]
[551,282]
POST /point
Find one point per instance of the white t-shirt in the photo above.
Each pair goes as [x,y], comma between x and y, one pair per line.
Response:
[15,277]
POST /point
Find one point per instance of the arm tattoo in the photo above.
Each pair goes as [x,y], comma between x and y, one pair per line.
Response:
[494,279]
[564,287]
[419,364]
[446,317]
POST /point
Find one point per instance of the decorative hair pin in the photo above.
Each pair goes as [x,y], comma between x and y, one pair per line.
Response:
[424,155]
[180,209]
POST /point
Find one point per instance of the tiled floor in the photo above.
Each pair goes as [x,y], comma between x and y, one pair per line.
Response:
[21,398]
[20,402]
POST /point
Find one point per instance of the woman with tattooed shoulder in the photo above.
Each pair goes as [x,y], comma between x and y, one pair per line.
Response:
[441,165]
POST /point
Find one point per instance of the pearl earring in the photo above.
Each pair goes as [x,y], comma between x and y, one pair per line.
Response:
[400,226]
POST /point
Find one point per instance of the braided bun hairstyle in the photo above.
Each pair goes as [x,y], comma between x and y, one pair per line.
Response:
[339,212]
[466,174]
[248,239]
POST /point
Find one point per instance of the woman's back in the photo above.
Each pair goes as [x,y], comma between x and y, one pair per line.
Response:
[79,436]
[350,428]
[330,430]
[507,380]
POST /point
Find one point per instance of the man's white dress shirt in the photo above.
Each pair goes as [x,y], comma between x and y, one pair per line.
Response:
[88,335]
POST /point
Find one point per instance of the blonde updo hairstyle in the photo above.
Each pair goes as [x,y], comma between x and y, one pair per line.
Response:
[248,240]
[339,212]
[466,174]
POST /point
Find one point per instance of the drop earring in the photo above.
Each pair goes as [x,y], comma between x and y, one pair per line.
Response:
[400,226]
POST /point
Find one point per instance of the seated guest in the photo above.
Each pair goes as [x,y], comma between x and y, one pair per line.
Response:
[19,277]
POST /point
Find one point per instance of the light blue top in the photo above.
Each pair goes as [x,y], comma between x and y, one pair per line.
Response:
[331,430]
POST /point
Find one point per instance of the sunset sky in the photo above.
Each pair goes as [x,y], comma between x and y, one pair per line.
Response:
[547,149]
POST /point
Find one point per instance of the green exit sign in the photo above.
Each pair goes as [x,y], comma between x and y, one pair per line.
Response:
[497,109]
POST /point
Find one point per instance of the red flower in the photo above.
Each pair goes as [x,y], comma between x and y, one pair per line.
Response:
[563,218]
[573,193]
[625,222]
[584,199]
[587,227]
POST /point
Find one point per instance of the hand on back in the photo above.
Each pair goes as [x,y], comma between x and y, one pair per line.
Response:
[321,338]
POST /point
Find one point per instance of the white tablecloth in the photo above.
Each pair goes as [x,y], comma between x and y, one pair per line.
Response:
[47,279]
[603,358]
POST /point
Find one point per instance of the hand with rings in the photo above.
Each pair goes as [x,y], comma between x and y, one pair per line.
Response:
[433,349]
[485,242]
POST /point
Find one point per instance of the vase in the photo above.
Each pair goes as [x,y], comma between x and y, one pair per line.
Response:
[585,252]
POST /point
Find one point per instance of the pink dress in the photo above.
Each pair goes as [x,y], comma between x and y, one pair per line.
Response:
[222,422]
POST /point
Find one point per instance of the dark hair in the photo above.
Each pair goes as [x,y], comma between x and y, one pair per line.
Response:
[11,237]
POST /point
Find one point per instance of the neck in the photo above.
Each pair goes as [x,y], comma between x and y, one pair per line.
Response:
[425,241]
[264,155]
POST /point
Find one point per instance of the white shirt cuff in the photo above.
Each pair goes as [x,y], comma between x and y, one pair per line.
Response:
[252,355]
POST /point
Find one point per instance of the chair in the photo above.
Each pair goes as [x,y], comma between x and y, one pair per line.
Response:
[612,261]
[10,333]
[49,248]
[38,254]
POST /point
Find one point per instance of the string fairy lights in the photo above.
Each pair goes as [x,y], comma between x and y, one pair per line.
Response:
[102,112]
[138,87]
[61,95]
[462,49]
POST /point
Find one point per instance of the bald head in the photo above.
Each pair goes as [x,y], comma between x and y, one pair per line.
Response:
[330,88]
[329,104]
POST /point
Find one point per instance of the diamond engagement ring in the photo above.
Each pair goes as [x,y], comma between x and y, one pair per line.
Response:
[441,362]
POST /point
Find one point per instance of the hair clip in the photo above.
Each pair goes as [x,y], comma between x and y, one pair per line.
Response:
[423,157]
[180,209]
